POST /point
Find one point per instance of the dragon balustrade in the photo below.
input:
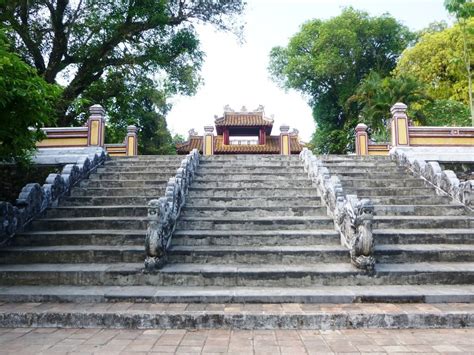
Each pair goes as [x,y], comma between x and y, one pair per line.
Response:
[446,180]
[352,216]
[163,213]
[34,198]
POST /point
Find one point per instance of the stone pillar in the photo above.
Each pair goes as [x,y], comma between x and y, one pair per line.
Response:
[226,136]
[96,126]
[399,125]
[362,140]
[285,140]
[131,141]
[208,141]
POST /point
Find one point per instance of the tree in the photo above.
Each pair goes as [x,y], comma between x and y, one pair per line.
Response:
[376,95]
[79,41]
[436,60]
[132,99]
[464,12]
[25,105]
[326,60]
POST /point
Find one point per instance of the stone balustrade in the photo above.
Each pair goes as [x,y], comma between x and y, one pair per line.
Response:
[34,198]
[352,216]
[91,135]
[163,213]
[446,180]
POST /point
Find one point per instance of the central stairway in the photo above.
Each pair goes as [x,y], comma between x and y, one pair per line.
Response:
[253,229]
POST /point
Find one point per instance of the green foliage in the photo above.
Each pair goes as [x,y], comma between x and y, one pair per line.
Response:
[376,95]
[25,105]
[178,138]
[445,113]
[326,60]
[80,41]
[131,98]
[436,59]
[462,9]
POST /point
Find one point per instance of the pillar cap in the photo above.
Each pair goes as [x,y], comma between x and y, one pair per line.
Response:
[97,110]
[361,127]
[132,129]
[209,129]
[399,107]
[284,128]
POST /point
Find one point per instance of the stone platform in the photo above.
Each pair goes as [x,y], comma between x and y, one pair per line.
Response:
[126,315]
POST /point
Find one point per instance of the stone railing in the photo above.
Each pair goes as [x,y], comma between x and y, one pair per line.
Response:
[163,213]
[91,135]
[446,180]
[403,134]
[34,199]
[128,148]
[352,216]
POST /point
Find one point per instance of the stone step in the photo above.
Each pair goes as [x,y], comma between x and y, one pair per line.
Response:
[368,171]
[253,211]
[359,164]
[245,176]
[402,222]
[80,237]
[251,317]
[254,223]
[146,167]
[147,158]
[389,191]
[263,299]
[73,254]
[97,211]
[151,192]
[262,201]
[256,238]
[424,236]
[135,175]
[355,158]
[410,200]
[123,183]
[250,163]
[232,275]
[295,192]
[205,169]
[284,255]
[344,174]
[248,157]
[82,223]
[420,210]
[105,200]
[402,253]
[407,182]
[244,184]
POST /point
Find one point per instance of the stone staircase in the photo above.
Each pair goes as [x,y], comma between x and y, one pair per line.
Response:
[100,226]
[253,230]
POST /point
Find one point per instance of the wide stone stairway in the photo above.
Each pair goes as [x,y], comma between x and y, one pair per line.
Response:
[95,231]
[253,230]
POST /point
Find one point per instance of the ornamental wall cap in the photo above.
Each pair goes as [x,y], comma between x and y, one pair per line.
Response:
[97,110]
[399,107]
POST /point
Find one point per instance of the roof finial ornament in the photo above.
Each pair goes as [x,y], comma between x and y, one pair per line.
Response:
[295,132]
[192,132]
[260,108]
[243,109]
[227,108]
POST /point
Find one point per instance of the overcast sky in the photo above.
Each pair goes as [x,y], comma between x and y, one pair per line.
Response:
[236,74]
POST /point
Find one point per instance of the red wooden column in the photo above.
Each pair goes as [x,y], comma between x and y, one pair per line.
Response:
[262,136]
[226,136]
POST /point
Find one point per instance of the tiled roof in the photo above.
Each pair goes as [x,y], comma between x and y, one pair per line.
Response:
[252,119]
[272,146]
[194,142]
